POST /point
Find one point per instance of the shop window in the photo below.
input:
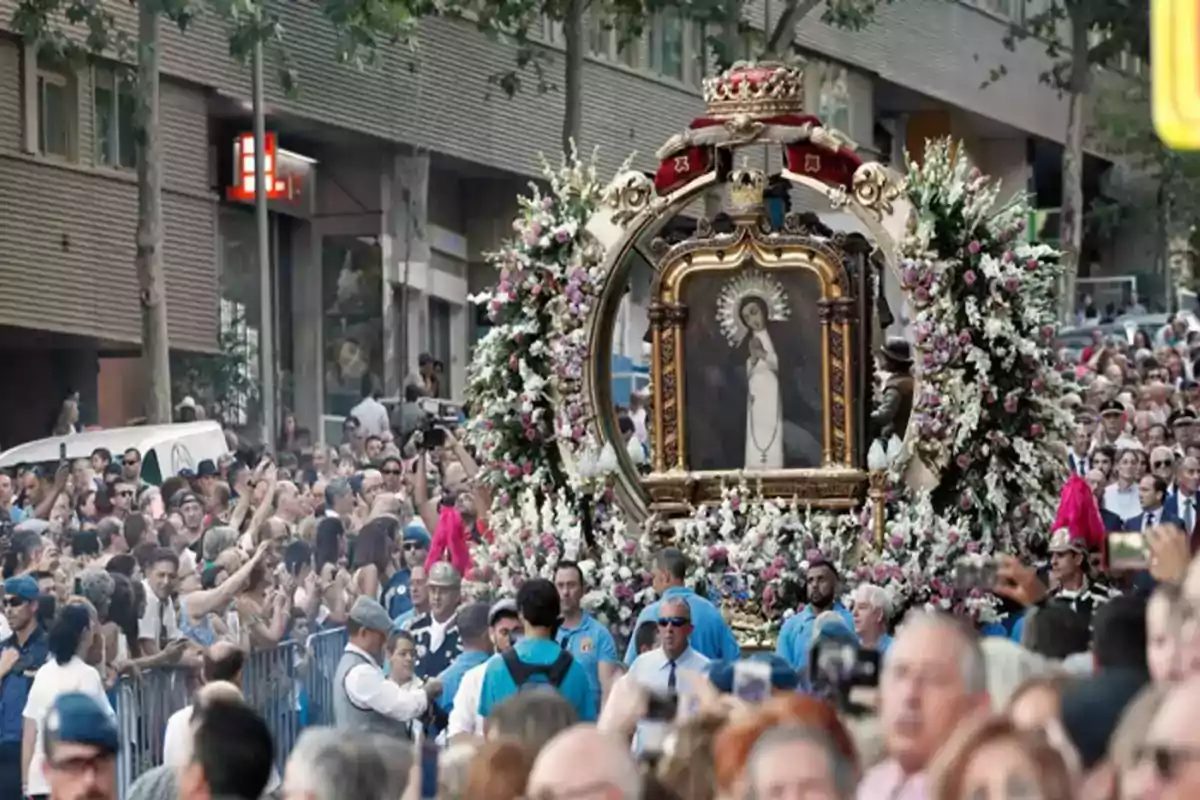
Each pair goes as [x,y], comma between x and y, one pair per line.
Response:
[115,107]
[441,316]
[352,302]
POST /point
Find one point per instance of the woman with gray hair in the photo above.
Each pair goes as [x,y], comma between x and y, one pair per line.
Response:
[216,541]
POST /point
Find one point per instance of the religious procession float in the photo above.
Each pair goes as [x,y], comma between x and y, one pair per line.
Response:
[784,425]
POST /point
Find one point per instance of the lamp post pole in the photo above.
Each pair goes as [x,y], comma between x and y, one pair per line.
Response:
[266,333]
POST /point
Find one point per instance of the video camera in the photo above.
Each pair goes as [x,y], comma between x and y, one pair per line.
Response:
[836,667]
[439,414]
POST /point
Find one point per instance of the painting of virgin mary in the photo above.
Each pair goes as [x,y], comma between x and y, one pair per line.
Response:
[753,372]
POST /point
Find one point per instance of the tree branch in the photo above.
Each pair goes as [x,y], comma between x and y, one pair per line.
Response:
[784,31]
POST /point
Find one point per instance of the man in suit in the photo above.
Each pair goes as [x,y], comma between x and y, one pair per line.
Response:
[1079,454]
[1184,502]
[1152,491]
[1112,522]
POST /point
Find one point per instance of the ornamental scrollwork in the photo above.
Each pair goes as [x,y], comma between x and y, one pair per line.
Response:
[628,195]
[875,189]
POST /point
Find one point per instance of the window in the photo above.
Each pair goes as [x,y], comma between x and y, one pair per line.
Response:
[115,107]
[698,32]
[630,52]
[666,45]
[55,112]
[599,36]
[834,100]
[1009,9]
[440,316]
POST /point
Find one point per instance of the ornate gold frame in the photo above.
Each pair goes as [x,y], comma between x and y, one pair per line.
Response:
[838,482]
[633,212]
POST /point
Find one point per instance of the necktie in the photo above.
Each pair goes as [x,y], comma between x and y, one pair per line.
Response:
[1189,515]
[162,625]
[1149,520]
[671,677]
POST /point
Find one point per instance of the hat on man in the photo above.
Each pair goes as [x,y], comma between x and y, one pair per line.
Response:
[1184,416]
[206,469]
[502,607]
[783,677]
[182,498]
[444,574]
[415,532]
[897,351]
[1063,542]
[1112,406]
[23,586]
[76,717]
[371,615]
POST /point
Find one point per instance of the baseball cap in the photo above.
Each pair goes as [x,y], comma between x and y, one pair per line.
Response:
[77,717]
[24,587]
[501,607]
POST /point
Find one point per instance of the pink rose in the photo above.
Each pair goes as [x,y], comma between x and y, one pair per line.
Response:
[1031,264]
[969,277]
[974,247]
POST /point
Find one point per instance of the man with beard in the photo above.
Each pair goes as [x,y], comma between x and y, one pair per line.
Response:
[796,635]
[436,633]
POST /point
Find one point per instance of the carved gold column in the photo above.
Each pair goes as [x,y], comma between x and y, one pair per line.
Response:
[667,321]
[837,317]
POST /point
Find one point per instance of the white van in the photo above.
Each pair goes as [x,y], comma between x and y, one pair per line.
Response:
[165,449]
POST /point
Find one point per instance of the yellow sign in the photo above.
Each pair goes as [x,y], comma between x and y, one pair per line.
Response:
[1175,76]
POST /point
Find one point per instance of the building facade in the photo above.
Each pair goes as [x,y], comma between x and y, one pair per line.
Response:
[407,173]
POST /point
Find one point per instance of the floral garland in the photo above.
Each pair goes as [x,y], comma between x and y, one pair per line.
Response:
[989,413]
[523,379]
[986,418]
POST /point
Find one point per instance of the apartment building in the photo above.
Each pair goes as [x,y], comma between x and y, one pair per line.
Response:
[403,175]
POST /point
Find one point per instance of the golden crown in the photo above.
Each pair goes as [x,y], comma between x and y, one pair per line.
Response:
[746,189]
[755,89]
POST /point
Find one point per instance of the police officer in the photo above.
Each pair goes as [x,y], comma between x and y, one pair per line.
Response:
[20,656]
[81,749]
[436,633]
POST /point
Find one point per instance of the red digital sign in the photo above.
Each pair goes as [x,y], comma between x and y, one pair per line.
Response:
[279,187]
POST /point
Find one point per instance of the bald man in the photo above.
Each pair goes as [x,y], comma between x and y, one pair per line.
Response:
[222,677]
[1169,766]
[583,761]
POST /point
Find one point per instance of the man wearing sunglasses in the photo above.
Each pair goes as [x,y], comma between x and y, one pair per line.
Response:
[398,595]
[658,670]
[21,654]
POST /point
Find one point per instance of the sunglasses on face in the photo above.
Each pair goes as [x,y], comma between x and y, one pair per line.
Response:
[674,622]
[14,601]
[1162,464]
[411,547]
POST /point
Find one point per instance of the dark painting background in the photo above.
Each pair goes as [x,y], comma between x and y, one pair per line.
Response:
[715,374]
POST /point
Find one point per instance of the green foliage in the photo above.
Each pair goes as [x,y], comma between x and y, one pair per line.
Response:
[1115,26]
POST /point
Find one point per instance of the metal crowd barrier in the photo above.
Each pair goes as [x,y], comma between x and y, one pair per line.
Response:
[290,685]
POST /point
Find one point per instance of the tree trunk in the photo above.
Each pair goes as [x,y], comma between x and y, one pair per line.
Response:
[1071,213]
[150,268]
[573,22]
[780,44]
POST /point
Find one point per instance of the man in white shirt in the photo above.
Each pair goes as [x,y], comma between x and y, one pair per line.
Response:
[158,629]
[659,670]
[504,624]
[371,414]
[363,699]
[222,675]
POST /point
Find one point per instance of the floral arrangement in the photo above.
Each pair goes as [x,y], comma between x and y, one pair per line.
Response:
[987,418]
[989,415]
[523,381]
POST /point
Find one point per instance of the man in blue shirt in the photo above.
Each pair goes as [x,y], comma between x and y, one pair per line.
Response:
[582,635]
[20,657]
[474,633]
[710,636]
[537,660]
[796,635]
[397,595]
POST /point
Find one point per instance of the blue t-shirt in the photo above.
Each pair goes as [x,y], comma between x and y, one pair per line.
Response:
[795,637]
[591,645]
[498,684]
[453,676]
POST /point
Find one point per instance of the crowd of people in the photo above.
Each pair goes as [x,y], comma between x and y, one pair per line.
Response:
[1084,689]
